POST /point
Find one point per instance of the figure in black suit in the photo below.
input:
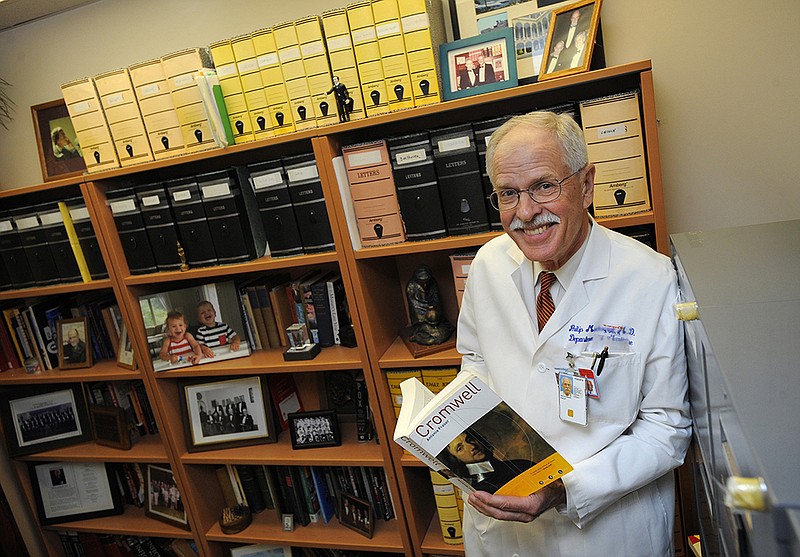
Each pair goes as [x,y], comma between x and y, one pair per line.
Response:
[467,77]
[485,71]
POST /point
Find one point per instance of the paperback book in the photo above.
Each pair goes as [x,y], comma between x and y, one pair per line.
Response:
[468,434]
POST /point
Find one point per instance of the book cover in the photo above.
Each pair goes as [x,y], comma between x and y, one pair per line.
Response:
[124,118]
[285,397]
[467,433]
[258,317]
[74,242]
[327,502]
[322,310]
[90,246]
[265,305]
[340,311]
[364,428]
[310,493]
[251,488]
[281,306]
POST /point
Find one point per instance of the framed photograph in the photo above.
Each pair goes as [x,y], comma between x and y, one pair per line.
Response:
[226,412]
[195,325]
[74,343]
[42,418]
[125,357]
[110,426]
[528,20]
[571,38]
[356,514]
[314,429]
[69,491]
[478,65]
[163,501]
[261,550]
[59,151]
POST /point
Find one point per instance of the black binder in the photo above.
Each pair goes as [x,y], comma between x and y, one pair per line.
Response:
[483,131]
[13,255]
[33,238]
[132,234]
[160,226]
[268,182]
[232,214]
[190,216]
[305,190]
[87,238]
[417,186]
[460,183]
[60,247]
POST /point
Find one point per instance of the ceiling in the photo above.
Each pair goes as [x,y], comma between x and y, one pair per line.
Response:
[17,12]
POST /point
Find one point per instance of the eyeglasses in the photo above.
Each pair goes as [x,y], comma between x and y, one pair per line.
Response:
[546,191]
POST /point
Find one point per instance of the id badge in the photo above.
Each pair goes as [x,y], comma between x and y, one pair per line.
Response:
[572,398]
[592,389]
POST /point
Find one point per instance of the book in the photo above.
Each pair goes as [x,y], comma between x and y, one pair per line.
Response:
[61,244]
[248,313]
[255,97]
[269,65]
[394,377]
[74,242]
[232,91]
[307,304]
[285,397]
[368,57]
[159,225]
[305,191]
[322,309]
[132,233]
[389,33]
[437,378]
[281,307]
[13,254]
[469,421]
[7,345]
[158,111]
[364,428]
[343,58]
[460,261]
[327,502]
[190,217]
[483,132]
[265,305]
[372,189]
[250,488]
[423,32]
[91,128]
[294,75]
[271,189]
[460,182]
[309,493]
[314,52]
[343,332]
[444,493]
[90,246]
[417,186]
[214,106]
[33,238]
[228,493]
[258,317]
[124,118]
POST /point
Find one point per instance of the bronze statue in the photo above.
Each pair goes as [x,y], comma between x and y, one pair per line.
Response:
[428,324]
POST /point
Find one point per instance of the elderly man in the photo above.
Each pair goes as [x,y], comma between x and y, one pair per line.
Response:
[521,329]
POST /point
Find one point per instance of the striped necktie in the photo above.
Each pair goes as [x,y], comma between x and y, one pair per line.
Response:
[544,301]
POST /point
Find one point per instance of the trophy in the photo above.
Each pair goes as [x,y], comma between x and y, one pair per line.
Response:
[300,345]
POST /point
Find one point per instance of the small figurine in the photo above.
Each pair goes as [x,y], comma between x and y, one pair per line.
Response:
[182,256]
[428,324]
[344,102]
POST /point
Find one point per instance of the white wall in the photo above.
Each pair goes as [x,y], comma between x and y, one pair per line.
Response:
[726,85]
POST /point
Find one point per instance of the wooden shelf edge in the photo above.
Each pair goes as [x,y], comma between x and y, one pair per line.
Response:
[132,522]
[149,448]
[397,355]
[104,370]
[56,289]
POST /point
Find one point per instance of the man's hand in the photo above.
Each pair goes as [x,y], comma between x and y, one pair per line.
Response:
[519,509]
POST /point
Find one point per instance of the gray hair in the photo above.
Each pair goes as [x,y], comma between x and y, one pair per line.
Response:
[562,126]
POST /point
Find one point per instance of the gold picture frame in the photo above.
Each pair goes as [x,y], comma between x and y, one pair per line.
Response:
[571,39]
[125,353]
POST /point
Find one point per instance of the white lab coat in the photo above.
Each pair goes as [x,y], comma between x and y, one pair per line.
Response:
[620,495]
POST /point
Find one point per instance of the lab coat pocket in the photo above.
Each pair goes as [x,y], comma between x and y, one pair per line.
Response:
[619,385]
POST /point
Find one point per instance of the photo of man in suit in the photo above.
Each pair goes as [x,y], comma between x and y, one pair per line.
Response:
[485,71]
[467,77]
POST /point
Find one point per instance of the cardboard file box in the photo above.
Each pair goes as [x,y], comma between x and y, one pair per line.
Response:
[132,234]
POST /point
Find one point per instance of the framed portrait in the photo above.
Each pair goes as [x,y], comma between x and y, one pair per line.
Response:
[528,20]
[261,550]
[42,418]
[356,514]
[110,426]
[69,491]
[59,151]
[226,412]
[477,65]
[125,356]
[314,429]
[571,39]
[74,343]
[163,501]
[212,318]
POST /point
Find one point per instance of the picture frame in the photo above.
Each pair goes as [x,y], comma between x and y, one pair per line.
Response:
[571,39]
[71,491]
[57,161]
[225,304]
[226,412]
[311,430]
[478,65]
[125,354]
[110,426]
[529,22]
[44,417]
[261,550]
[163,499]
[74,343]
[356,514]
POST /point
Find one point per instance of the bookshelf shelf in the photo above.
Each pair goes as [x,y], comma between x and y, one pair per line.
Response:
[56,289]
[104,370]
[147,449]
[132,522]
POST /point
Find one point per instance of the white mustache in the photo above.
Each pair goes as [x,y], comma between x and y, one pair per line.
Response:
[538,221]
